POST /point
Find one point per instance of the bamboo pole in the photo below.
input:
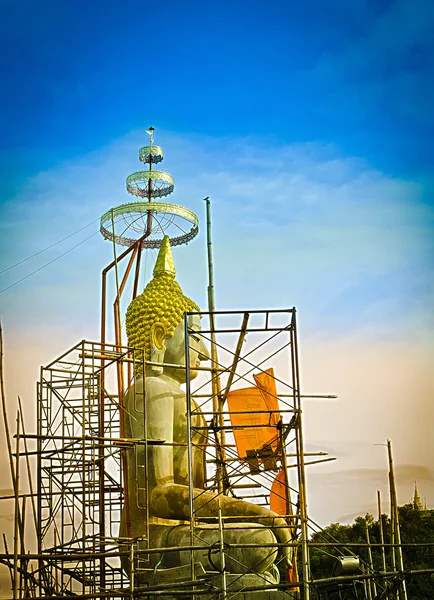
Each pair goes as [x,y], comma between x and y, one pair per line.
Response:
[220,435]
[17,509]
[395,513]
[372,587]
[236,359]
[29,471]
[4,410]
[11,571]
[14,470]
[392,533]
[380,521]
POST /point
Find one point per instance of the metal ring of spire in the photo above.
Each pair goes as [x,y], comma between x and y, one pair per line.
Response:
[151,154]
[141,209]
[134,219]
[162,184]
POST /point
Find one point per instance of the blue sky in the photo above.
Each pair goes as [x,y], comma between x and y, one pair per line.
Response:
[311,127]
[356,73]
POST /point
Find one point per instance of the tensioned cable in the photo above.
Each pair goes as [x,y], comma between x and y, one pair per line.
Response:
[54,259]
[48,263]
[48,247]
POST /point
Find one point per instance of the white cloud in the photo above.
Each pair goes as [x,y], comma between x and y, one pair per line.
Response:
[308,223]
[293,225]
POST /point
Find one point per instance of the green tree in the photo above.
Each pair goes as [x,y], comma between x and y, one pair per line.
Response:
[416,527]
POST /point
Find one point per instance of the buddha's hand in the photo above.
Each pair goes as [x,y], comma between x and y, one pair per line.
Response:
[278,526]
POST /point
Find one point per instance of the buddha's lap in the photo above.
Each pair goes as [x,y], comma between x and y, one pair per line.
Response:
[247,546]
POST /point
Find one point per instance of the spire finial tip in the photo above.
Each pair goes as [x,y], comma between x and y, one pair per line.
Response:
[165,262]
[150,132]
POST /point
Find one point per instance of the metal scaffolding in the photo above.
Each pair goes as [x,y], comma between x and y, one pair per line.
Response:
[248,342]
[79,447]
[81,489]
[80,504]
[80,484]
[79,451]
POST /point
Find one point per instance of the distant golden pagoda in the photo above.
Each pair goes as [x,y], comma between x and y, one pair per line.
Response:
[417,502]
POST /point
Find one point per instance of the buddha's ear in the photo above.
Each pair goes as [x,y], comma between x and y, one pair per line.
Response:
[158,335]
[158,347]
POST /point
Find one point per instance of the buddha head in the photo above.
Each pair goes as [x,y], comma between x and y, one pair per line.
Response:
[154,321]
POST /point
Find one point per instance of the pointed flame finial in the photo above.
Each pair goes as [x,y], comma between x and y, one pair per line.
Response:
[165,262]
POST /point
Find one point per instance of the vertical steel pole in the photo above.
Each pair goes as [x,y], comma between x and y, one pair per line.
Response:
[300,460]
[136,249]
[101,416]
[101,476]
[395,516]
[118,307]
[83,463]
[216,385]
[132,572]
[137,272]
[289,510]
[222,554]
[189,438]
[380,521]
[24,563]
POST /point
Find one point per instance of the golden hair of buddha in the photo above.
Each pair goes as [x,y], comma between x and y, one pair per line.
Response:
[161,303]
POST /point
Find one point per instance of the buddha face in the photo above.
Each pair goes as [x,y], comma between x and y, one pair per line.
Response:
[175,349]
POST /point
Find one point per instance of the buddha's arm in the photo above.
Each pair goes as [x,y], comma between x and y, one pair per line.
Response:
[171,501]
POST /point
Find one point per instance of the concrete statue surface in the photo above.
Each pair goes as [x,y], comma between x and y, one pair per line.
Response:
[158,477]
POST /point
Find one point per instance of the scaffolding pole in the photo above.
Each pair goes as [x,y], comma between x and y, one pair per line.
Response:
[73,558]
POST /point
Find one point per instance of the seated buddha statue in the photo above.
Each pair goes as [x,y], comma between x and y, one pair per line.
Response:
[157,497]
